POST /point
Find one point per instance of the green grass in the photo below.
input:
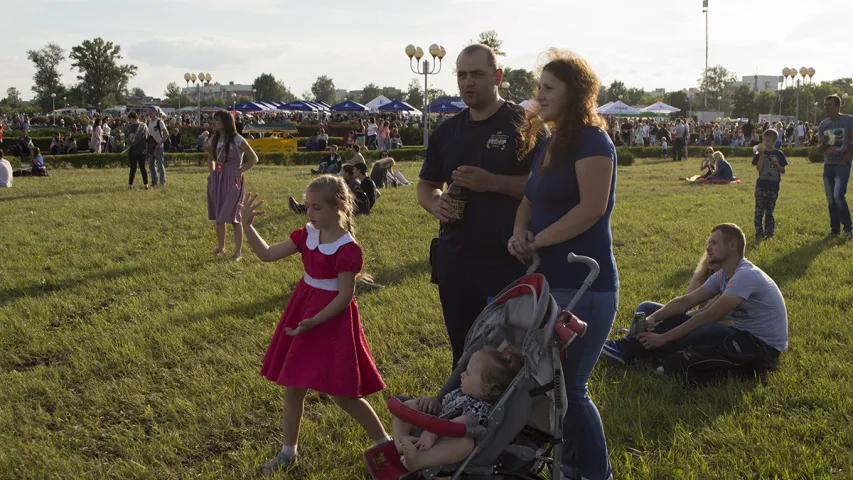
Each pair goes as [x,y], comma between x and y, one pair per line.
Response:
[129,351]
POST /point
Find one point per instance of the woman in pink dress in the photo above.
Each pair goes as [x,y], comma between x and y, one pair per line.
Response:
[226,184]
[319,343]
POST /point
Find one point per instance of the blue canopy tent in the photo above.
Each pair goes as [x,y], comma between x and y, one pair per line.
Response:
[251,107]
[397,106]
[348,106]
[298,106]
[316,105]
[328,107]
[269,105]
[445,107]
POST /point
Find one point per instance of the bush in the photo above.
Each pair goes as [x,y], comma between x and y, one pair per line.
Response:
[105,160]
[815,156]
[625,159]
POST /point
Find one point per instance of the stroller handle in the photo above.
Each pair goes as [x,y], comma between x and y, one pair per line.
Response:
[535,260]
[593,274]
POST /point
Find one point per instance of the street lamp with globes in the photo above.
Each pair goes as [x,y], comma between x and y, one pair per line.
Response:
[508,87]
[417,52]
[806,75]
[53,101]
[254,91]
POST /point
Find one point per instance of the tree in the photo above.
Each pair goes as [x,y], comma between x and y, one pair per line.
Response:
[285,94]
[435,93]
[415,95]
[137,92]
[13,96]
[324,89]
[308,95]
[47,78]
[369,92]
[522,83]
[100,75]
[270,89]
[743,103]
[616,89]
[765,102]
[715,82]
[175,96]
[393,94]
[490,39]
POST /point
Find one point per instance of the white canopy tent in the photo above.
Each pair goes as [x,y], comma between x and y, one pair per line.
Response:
[660,107]
[618,108]
[377,102]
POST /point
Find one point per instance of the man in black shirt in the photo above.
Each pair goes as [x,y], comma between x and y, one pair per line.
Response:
[367,184]
[331,162]
[476,150]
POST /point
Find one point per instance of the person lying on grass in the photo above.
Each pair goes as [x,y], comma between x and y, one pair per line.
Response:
[488,375]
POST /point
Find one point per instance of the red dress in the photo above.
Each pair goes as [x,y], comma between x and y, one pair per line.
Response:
[332,357]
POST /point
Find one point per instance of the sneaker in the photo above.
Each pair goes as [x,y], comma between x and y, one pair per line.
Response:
[146,187]
[611,351]
[294,207]
[848,236]
[130,187]
[281,460]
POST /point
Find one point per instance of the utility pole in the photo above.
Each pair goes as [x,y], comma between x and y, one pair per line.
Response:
[705,10]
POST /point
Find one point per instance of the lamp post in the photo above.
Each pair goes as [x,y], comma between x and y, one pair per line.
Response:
[719,103]
[53,101]
[202,79]
[254,91]
[233,101]
[689,97]
[417,52]
[815,112]
[806,75]
[64,102]
[508,87]
[705,11]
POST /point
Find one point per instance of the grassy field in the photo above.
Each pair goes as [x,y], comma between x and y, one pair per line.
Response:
[129,351]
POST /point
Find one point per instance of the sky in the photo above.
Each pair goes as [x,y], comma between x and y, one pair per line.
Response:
[649,45]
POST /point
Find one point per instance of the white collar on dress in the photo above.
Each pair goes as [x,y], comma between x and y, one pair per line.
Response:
[325,248]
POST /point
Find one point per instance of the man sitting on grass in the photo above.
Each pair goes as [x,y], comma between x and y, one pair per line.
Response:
[331,162]
[695,345]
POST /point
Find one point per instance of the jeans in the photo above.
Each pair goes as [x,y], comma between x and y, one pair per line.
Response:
[765,204]
[155,158]
[137,159]
[585,447]
[708,333]
[678,150]
[835,179]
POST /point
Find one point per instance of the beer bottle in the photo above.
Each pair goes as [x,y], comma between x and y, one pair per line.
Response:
[640,324]
[458,199]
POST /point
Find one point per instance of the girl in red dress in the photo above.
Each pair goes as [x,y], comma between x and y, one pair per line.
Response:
[319,343]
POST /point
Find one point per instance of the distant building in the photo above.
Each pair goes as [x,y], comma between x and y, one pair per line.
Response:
[759,83]
[658,92]
[341,94]
[218,90]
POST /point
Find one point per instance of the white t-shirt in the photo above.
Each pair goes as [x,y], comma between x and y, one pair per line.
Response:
[154,131]
[371,129]
[801,130]
[89,129]
[106,128]
[5,173]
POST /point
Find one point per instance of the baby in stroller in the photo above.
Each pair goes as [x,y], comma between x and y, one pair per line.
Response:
[490,371]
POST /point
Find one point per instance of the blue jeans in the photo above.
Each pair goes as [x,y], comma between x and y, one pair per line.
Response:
[585,448]
[708,333]
[155,158]
[835,179]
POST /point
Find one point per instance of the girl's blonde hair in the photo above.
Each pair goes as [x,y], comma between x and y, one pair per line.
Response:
[718,155]
[336,194]
[504,366]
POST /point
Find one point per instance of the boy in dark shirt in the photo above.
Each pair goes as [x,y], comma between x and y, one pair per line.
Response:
[770,164]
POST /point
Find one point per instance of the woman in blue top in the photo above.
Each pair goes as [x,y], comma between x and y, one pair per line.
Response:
[567,205]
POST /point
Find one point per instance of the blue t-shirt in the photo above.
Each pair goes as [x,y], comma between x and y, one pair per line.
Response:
[769,177]
[762,311]
[553,193]
[486,227]
[724,170]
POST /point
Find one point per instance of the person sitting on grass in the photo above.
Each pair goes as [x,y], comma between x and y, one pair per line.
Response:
[37,164]
[331,162]
[5,172]
[488,375]
[365,183]
[697,346]
[383,173]
[69,146]
[706,166]
[56,144]
[722,169]
[201,141]
[356,155]
[311,145]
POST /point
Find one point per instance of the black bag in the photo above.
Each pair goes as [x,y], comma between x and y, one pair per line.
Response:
[739,353]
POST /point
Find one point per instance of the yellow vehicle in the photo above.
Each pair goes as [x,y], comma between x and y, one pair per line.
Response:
[278,137]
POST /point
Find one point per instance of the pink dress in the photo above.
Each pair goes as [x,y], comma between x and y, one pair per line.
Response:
[223,193]
[332,357]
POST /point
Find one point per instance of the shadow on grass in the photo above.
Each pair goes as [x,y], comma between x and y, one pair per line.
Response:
[89,191]
[394,274]
[37,289]
[794,264]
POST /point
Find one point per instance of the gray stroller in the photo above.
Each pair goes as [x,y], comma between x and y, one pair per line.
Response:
[522,436]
